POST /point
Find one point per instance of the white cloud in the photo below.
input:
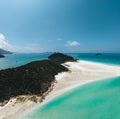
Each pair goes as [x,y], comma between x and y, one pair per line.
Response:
[4,44]
[33,47]
[59,39]
[53,40]
[72,43]
[27,48]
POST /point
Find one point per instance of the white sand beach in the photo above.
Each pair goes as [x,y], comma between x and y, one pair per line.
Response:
[81,72]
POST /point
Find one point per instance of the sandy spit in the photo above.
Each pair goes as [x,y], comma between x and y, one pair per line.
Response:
[81,72]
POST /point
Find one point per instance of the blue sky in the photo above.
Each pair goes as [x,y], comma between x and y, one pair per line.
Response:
[60,25]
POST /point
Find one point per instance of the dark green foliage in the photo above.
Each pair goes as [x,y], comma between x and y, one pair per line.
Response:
[33,78]
[61,58]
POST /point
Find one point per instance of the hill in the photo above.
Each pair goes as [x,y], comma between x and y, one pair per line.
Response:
[2,56]
[61,58]
[4,51]
[33,78]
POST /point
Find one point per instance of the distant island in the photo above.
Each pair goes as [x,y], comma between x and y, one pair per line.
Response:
[34,78]
[2,52]
[2,56]
[98,54]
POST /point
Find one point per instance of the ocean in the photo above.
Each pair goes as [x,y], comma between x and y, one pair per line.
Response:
[15,59]
[106,58]
[96,100]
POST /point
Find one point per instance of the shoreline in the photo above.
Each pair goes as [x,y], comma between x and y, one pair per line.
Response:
[81,72]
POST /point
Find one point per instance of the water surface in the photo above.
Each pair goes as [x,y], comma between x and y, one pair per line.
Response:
[97,100]
[14,60]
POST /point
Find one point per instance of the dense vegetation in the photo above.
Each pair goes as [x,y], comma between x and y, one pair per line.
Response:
[61,58]
[33,78]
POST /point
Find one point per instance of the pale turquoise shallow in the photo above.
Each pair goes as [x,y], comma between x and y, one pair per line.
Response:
[97,100]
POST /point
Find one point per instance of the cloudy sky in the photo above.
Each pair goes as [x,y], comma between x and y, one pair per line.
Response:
[60,25]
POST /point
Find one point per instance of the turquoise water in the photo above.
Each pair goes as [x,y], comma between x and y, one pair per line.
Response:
[98,100]
[15,60]
[107,58]
[20,59]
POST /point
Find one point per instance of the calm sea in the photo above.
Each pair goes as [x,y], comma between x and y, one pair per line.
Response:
[14,60]
[107,58]
[97,100]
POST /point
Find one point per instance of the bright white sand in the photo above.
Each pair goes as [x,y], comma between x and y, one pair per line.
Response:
[80,73]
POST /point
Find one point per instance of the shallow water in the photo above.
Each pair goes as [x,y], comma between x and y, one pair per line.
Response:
[97,100]
[14,60]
